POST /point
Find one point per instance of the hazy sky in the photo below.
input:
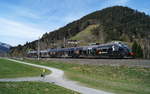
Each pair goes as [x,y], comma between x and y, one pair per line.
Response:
[26,20]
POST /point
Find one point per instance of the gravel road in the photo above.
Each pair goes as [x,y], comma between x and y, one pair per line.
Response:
[56,77]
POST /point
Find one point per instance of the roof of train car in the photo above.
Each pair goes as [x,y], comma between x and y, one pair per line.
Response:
[64,49]
[32,52]
[43,51]
[100,46]
[107,45]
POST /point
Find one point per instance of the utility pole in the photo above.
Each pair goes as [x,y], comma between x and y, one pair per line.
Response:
[38,51]
[64,42]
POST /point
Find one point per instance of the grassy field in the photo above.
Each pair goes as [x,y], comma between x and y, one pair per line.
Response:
[118,79]
[32,88]
[86,35]
[9,69]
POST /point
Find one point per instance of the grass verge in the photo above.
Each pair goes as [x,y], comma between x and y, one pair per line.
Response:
[117,79]
[32,88]
[10,69]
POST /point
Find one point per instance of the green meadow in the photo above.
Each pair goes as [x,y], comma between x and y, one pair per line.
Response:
[10,69]
[32,88]
[117,79]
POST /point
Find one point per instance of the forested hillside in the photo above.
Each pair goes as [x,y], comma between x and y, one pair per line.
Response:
[113,23]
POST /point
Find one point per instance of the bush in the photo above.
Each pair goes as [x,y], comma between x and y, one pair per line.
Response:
[136,48]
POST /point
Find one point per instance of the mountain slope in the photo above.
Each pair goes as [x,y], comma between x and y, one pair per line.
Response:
[85,36]
[113,23]
[4,48]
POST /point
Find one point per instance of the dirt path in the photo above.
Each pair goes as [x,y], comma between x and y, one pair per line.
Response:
[56,77]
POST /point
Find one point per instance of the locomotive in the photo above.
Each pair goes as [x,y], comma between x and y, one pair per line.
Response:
[108,50]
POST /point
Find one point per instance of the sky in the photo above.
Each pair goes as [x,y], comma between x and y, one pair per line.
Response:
[23,21]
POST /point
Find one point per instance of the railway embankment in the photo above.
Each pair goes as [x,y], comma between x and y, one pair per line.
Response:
[112,62]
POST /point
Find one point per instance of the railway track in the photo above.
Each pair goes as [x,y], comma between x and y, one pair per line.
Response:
[112,62]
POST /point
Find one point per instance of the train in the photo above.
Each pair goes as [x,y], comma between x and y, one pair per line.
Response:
[107,50]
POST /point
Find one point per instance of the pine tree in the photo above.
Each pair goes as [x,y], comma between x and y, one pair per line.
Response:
[136,48]
[140,52]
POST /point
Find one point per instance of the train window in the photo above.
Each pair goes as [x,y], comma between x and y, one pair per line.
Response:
[120,49]
[104,50]
[110,49]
